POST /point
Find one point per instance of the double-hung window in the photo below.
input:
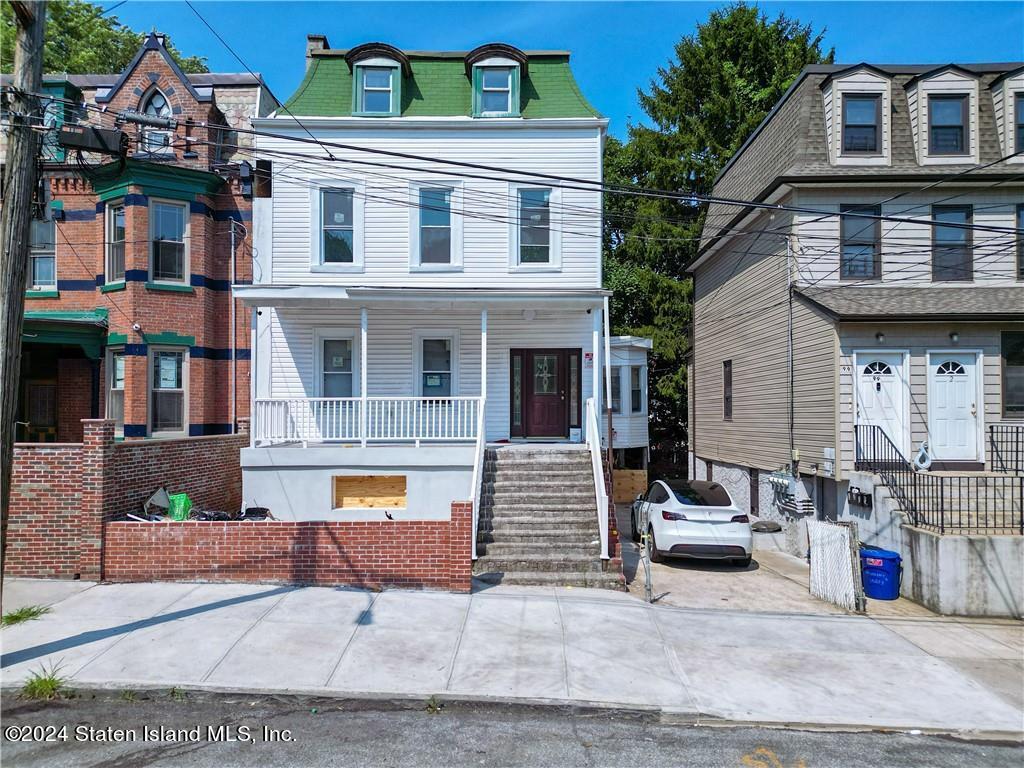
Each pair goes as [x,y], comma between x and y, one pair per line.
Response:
[436,366]
[377,94]
[1018,121]
[952,257]
[42,254]
[617,389]
[636,390]
[1020,241]
[115,265]
[168,387]
[338,226]
[337,374]
[115,388]
[435,232]
[1012,343]
[534,226]
[948,125]
[168,226]
[860,247]
[862,118]
[496,91]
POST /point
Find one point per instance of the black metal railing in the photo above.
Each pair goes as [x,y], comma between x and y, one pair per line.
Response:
[1006,447]
[948,503]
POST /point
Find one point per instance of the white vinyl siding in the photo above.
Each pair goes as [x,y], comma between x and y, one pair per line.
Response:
[385,249]
[391,350]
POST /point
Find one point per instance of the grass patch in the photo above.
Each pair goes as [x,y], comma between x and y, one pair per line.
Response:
[129,696]
[22,615]
[46,684]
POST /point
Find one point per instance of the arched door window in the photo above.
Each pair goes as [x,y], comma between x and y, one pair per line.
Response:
[950,368]
[877,368]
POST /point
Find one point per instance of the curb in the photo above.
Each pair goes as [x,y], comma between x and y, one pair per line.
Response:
[662,715]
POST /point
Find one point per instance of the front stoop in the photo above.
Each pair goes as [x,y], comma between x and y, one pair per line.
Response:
[538,521]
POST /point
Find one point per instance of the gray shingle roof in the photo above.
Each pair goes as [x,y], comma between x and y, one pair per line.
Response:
[790,143]
[854,302]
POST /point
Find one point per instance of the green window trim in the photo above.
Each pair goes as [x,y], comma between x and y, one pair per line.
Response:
[54,294]
[111,287]
[169,338]
[396,92]
[174,287]
[478,86]
[113,339]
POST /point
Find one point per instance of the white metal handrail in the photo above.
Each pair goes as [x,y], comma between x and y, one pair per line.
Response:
[478,472]
[351,419]
[596,460]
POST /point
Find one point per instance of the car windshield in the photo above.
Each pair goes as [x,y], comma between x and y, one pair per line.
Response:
[700,493]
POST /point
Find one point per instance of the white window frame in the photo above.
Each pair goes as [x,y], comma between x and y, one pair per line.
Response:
[616,377]
[392,70]
[41,253]
[320,335]
[108,239]
[643,389]
[150,356]
[960,86]
[509,91]
[109,384]
[555,251]
[456,262]
[317,188]
[452,335]
[186,265]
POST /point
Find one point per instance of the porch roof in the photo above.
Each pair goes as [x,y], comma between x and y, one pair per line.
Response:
[436,298]
[940,302]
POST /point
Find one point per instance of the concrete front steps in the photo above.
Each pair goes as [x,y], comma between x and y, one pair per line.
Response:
[538,519]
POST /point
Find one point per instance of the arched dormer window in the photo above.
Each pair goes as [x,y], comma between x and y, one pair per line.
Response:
[495,70]
[156,141]
[377,73]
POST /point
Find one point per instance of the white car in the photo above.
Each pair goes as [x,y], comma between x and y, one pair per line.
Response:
[692,518]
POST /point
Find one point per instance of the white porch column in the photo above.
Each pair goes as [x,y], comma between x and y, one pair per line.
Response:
[362,376]
[483,358]
[595,369]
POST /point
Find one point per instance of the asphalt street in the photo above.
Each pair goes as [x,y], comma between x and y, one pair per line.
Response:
[193,729]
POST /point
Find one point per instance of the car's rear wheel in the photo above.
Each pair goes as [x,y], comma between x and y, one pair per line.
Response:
[633,532]
[653,545]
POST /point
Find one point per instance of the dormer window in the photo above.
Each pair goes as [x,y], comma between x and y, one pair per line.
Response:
[495,90]
[1018,121]
[377,91]
[862,120]
[947,124]
[156,141]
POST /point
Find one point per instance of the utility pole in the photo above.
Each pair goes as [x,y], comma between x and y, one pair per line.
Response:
[18,186]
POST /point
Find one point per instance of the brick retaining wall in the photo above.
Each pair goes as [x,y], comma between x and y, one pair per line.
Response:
[422,553]
[44,521]
[63,499]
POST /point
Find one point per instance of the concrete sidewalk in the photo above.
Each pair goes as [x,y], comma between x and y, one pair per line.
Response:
[550,645]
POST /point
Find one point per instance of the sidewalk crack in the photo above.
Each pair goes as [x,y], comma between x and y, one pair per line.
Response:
[367,611]
[242,636]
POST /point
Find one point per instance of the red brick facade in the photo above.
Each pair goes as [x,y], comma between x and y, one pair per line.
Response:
[193,315]
[63,499]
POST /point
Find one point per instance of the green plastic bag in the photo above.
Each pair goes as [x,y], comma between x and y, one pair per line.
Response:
[181,505]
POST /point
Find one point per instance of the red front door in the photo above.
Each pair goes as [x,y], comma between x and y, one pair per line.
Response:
[545,391]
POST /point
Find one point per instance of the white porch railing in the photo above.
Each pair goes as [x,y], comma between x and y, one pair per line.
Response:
[597,462]
[386,419]
[478,473]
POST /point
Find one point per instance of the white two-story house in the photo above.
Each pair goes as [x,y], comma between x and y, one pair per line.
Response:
[858,343]
[427,257]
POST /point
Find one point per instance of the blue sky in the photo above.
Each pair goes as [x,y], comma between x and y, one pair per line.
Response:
[617,47]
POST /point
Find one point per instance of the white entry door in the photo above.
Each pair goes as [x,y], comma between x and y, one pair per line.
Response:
[882,394]
[953,407]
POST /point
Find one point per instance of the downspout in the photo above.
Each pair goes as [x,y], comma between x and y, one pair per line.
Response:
[793,459]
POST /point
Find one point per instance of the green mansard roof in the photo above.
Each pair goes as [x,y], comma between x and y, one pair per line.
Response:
[437,86]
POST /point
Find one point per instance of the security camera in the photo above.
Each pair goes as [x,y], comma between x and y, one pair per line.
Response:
[136,327]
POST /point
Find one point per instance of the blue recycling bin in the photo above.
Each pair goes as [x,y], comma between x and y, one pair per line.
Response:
[881,573]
